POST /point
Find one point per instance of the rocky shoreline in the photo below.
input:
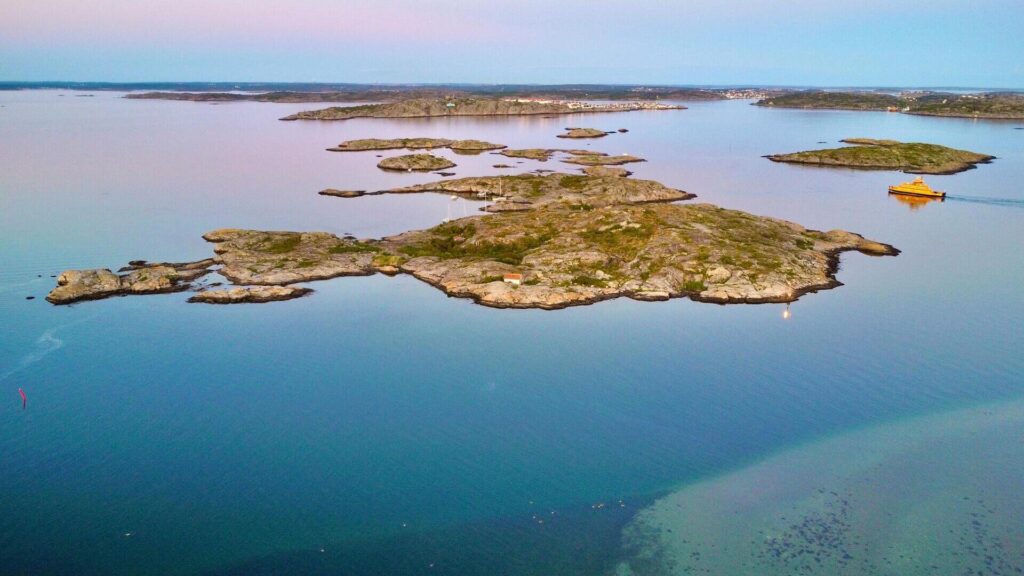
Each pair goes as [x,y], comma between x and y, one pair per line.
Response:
[253,294]
[440,107]
[985,105]
[140,277]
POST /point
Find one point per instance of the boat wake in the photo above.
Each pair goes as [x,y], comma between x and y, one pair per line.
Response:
[1010,202]
[46,343]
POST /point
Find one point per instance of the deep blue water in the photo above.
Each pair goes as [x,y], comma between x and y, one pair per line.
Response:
[396,428]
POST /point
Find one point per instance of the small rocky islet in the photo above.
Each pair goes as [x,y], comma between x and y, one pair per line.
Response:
[873,154]
[539,154]
[571,156]
[459,146]
[415,163]
[580,133]
[554,240]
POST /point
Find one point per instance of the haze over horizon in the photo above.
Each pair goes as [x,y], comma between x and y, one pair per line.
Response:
[937,43]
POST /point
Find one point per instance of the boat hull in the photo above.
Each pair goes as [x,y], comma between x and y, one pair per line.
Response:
[920,194]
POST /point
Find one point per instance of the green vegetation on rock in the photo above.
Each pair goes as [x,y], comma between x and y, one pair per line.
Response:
[583,133]
[601,159]
[570,240]
[992,105]
[819,99]
[364,144]
[415,162]
[465,106]
[866,153]
[541,154]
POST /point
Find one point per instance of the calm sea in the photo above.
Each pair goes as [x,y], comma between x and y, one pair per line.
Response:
[378,426]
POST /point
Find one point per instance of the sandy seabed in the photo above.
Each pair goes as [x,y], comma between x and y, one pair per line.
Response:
[938,494]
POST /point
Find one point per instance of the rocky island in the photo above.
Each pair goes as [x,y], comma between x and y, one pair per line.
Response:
[459,146]
[571,240]
[539,154]
[871,154]
[531,191]
[572,156]
[605,171]
[341,193]
[139,277]
[415,162]
[435,107]
[600,159]
[989,105]
[583,133]
[320,92]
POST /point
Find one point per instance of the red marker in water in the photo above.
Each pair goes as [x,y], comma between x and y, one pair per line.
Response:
[24,399]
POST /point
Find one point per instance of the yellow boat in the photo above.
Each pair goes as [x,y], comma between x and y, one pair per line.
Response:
[916,188]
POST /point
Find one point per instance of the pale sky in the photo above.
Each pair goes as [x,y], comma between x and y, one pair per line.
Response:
[786,42]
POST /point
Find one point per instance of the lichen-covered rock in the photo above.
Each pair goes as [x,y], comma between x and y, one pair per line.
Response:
[583,133]
[606,171]
[474,146]
[141,278]
[532,191]
[249,294]
[365,144]
[471,106]
[341,193]
[415,162]
[75,285]
[540,154]
[569,257]
[556,240]
[461,146]
[872,154]
[591,159]
[254,257]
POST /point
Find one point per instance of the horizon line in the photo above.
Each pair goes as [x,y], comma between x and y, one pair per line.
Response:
[60,83]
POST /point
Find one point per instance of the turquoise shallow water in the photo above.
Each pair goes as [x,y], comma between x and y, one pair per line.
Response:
[395,428]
